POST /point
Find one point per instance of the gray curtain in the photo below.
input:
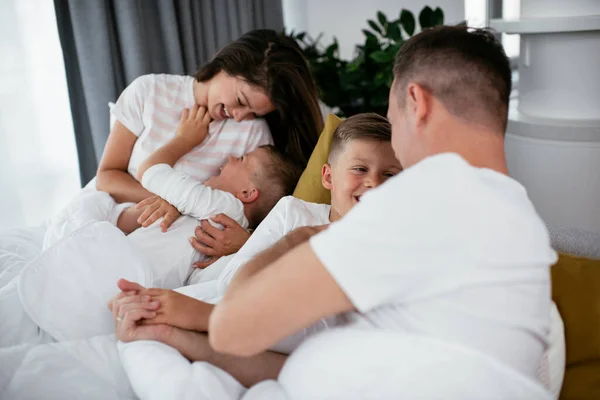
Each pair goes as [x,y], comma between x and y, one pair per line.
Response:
[108,43]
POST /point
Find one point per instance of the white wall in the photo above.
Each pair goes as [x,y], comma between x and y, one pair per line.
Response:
[345,19]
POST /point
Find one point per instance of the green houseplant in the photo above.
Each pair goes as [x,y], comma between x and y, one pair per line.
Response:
[362,84]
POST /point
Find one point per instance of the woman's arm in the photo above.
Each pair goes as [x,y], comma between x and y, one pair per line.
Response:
[112,176]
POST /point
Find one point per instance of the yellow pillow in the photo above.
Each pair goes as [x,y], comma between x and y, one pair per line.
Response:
[309,187]
[576,292]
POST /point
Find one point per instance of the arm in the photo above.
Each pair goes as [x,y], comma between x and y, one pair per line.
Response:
[170,307]
[189,196]
[270,303]
[192,130]
[112,176]
[169,154]
[247,370]
[273,253]
[217,243]
[131,307]
[177,193]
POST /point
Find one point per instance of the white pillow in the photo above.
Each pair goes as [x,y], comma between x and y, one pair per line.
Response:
[65,290]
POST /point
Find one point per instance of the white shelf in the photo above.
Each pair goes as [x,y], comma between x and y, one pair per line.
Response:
[547,25]
[553,129]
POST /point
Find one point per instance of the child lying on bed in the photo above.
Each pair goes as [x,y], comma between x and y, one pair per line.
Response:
[246,190]
[361,158]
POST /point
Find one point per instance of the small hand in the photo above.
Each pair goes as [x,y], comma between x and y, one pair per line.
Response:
[178,310]
[193,126]
[154,208]
[216,243]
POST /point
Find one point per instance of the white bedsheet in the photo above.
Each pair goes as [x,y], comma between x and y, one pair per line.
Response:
[339,364]
[367,364]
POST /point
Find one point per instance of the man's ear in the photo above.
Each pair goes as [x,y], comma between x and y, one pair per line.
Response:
[419,103]
[326,176]
[248,195]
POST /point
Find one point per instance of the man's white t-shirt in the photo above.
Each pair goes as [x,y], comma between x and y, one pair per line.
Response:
[151,106]
[449,251]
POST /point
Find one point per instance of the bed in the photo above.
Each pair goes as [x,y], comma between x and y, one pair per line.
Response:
[86,362]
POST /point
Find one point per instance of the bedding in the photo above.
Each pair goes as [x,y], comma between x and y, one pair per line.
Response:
[323,367]
[71,322]
[41,288]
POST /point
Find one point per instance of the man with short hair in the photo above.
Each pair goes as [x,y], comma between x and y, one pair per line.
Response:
[450,249]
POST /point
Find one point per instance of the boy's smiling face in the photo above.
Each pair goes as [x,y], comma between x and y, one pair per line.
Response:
[361,165]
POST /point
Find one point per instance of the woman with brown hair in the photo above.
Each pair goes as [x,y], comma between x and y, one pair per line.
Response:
[261,74]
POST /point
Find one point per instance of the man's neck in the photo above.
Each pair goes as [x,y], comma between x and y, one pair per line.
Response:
[479,146]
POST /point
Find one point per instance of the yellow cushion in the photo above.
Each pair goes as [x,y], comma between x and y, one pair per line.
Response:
[576,292]
[309,187]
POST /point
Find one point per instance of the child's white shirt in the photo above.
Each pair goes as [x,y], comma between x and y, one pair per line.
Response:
[288,214]
[169,253]
[191,197]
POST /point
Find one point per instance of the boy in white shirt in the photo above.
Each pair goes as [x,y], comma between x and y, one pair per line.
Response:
[361,158]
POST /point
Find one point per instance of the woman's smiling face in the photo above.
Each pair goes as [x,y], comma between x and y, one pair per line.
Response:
[232,97]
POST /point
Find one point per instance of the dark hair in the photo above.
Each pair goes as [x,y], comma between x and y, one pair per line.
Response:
[466,69]
[368,126]
[274,180]
[275,63]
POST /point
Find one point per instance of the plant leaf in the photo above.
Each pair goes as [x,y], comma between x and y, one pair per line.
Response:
[393,31]
[369,34]
[425,17]
[380,57]
[331,49]
[438,17]
[375,27]
[407,19]
[382,18]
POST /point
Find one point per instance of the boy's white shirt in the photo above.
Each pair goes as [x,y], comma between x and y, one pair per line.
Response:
[191,197]
[170,254]
[288,214]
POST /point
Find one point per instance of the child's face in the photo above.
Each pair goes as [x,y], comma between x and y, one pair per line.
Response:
[360,166]
[235,176]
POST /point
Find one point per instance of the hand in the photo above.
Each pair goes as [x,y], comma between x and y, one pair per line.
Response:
[216,243]
[168,307]
[178,310]
[193,126]
[154,208]
[129,308]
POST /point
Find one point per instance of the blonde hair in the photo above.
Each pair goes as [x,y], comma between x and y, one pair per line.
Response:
[275,179]
[368,126]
